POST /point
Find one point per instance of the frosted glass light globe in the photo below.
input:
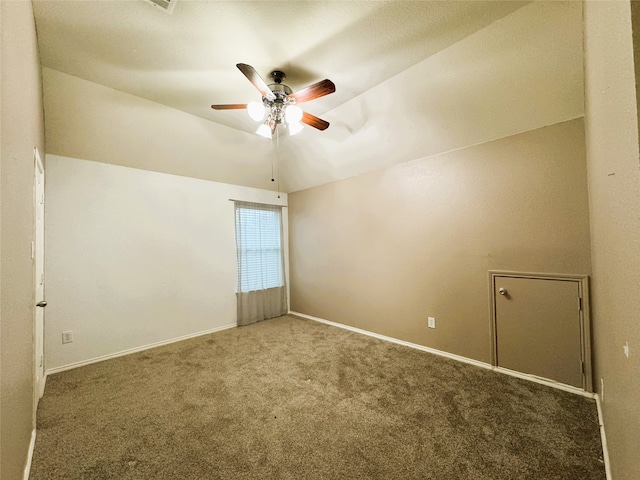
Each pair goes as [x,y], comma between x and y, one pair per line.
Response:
[293,114]
[256,111]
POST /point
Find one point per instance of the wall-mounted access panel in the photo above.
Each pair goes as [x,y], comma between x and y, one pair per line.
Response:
[540,326]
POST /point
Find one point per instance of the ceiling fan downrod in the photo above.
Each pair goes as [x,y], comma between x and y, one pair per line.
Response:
[278,76]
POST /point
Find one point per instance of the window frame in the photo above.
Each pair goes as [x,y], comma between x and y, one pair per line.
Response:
[267,273]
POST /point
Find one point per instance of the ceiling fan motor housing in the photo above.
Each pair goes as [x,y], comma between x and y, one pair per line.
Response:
[280,90]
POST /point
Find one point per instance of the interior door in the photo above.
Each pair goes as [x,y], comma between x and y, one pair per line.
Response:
[38,257]
[538,327]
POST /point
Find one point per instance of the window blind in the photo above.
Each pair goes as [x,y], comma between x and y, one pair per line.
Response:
[259,246]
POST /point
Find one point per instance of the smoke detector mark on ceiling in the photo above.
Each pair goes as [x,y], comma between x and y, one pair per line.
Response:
[164,5]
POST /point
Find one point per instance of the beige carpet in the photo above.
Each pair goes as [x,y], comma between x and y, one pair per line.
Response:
[295,399]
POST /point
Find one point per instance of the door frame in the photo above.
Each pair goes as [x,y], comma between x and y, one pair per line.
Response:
[585,317]
[39,375]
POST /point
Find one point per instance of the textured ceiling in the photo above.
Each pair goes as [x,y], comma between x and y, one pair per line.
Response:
[187,60]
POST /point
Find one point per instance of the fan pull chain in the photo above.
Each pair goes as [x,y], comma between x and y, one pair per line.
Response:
[273,154]
[278,160]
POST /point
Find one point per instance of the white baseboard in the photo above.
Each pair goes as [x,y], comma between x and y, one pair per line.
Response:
[459,358]
[603,438]
[32,445]
[394,340]
[544,381]
[135,350]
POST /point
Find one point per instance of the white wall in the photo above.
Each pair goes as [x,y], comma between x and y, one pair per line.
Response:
[136,257]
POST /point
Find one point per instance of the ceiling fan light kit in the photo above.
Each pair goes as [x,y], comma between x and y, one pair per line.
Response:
[279,103]
[279,112]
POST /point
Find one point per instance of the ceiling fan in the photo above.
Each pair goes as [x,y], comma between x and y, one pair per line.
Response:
[279,103]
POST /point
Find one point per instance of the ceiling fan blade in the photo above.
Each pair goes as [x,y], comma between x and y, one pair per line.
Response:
[230,106]
[257,80]
[317,90]
[314,121]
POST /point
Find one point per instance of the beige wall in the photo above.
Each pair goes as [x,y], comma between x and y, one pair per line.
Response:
[611,125]
[384,250]
[22,129]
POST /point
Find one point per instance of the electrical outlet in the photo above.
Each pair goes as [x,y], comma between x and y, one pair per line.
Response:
[625,349]
[432,322]
[67,337]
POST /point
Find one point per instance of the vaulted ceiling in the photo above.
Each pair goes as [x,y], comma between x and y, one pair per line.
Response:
[413,78]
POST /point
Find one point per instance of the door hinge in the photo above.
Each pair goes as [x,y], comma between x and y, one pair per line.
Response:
[583,369]
[580,303]
[41,360]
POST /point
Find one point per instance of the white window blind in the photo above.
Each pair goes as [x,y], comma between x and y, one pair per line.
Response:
[259,246]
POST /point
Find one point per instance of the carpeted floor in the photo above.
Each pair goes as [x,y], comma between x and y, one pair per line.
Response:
[294,399]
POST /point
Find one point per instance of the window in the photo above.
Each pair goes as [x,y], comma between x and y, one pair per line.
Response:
[259,246]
